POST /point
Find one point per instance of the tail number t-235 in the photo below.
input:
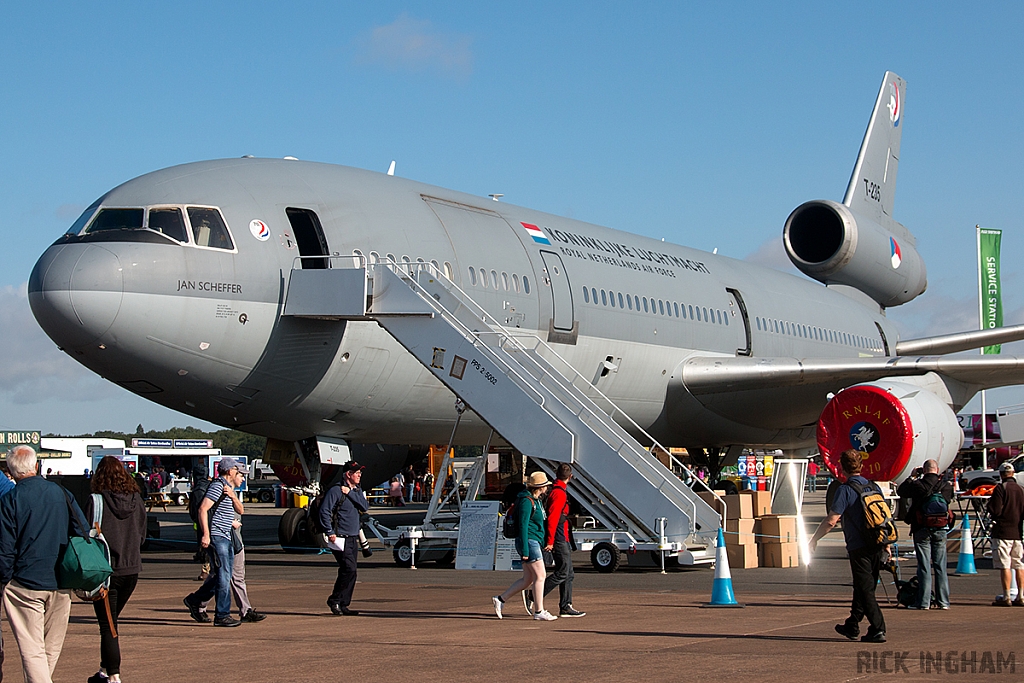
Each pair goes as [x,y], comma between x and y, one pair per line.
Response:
[872,190]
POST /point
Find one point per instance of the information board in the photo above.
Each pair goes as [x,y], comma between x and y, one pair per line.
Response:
[478,530]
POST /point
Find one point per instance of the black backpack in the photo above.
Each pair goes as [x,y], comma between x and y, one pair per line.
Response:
[933,512]
[195,498]
[510,523]
[314,512]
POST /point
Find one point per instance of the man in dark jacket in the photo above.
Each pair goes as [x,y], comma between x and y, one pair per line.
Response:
[339,511]
[34,521]
[558,541]
[1006,506]
[929,540]
[865,559]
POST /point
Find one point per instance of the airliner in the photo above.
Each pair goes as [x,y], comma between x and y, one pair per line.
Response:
[173,284]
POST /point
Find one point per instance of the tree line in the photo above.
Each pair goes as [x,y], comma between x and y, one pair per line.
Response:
[229,441]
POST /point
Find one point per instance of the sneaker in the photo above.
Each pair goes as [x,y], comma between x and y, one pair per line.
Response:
[544,615]
[528,602]
[849,632]
[252,616]
[1002,602]
[571,612]
[226,621]
[335,608]
[196,612]
[349,612]
[498,604]
[1019,602]
[915,607]
[876,637]
[98,677]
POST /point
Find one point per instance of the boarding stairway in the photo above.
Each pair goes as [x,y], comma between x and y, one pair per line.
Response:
[522,388]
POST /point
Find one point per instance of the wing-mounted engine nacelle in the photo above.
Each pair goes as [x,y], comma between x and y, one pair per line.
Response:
[827,241]
[896,427]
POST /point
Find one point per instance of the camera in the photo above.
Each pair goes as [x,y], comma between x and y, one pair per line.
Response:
[364,545]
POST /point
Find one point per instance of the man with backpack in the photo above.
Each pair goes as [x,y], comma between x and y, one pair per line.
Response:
[1006,506]
[338,515]
[868,529]
[216,518]
[929,519]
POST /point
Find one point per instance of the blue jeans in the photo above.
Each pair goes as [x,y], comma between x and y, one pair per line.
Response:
[218,584]
[930,546]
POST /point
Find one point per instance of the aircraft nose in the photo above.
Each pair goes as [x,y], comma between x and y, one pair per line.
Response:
[75,293]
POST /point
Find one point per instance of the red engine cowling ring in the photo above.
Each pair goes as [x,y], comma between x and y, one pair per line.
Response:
[872,421]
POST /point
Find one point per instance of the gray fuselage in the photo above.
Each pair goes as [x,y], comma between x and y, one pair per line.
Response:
[199,329]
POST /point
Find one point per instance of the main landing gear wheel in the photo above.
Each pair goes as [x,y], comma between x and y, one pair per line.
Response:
[605,557]
[293,532]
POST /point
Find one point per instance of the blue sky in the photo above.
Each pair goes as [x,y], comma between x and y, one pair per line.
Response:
[704,124]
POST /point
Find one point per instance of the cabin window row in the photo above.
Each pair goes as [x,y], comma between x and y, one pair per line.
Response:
[670,309]
[481,277]
[817,333]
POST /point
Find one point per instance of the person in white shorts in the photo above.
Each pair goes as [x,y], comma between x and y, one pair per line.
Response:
[1006,507]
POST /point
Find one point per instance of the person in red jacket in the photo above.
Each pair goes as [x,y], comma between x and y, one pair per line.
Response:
[558,541]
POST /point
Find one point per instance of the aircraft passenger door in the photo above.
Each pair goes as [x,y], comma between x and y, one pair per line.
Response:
[738,313]
[309,236]
[563,328]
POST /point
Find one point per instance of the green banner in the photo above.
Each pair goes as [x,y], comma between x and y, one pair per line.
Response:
[991,297]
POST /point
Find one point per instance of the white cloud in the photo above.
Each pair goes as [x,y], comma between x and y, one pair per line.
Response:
[416,45]
[34,370]
[773,255]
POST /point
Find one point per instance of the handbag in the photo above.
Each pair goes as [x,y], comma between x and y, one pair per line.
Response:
[549,558]
[85,564]
[236,540]
[96,533]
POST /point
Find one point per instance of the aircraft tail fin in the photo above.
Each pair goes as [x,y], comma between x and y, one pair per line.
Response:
[872,188]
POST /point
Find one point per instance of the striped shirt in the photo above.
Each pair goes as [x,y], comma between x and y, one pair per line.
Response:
[221,516]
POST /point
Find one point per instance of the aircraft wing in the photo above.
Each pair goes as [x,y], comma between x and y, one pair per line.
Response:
[960,341]
[707,374]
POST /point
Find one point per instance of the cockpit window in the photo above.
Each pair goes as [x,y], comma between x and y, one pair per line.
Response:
[208,228]
[77,226]
[117,219]
[170,222]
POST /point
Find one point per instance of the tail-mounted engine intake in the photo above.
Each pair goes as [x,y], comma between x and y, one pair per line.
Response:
[827,241]
[895,426]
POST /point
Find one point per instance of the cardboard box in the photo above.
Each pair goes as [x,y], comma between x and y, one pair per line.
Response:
[762,502]
[739,532]
[778,529]
[742,556]
[736,506]
[778,555]
[708,498]
[739,507]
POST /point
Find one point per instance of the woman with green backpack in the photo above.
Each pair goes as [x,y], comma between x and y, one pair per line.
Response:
[118,507]
[529,536]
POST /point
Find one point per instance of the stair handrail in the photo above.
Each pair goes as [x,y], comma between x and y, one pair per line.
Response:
[406,271]
[586,401]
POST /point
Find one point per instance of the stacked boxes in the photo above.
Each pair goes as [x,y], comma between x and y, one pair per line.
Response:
[739,528]
[777,541]
[753,535]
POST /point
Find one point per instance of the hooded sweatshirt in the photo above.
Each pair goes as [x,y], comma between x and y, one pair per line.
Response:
[124,528]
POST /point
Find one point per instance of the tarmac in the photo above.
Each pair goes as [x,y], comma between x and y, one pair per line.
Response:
[434,624]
